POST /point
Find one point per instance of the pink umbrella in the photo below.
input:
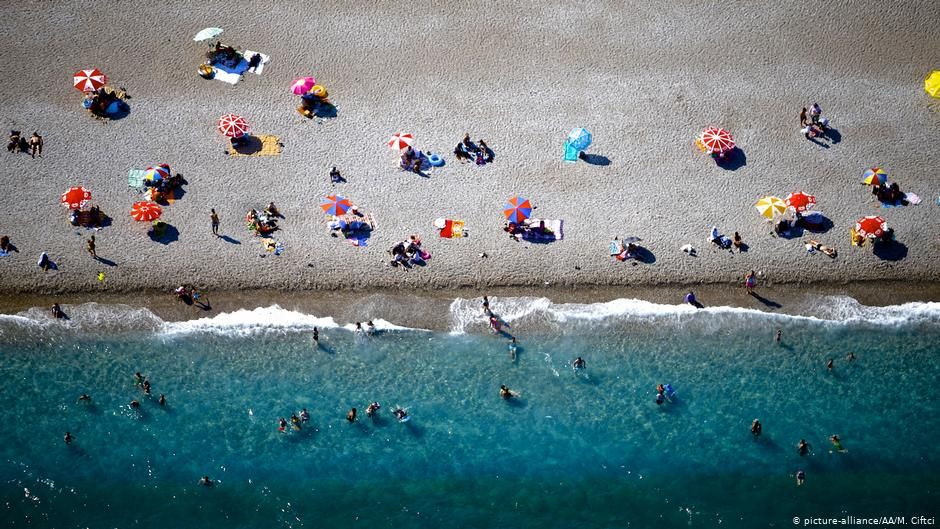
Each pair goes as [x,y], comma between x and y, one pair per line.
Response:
[233,126]
[89,80]
[303,85]
[401,140]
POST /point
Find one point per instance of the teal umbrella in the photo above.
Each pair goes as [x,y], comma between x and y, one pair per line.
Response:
[208,33]
[579,139]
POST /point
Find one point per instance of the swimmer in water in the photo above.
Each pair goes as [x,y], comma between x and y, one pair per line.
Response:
[800,477]
[359,327]
[138,379]
[756,428]
[505,392]
[67,438]
[57,311]
[372,408]
[205,481]
[351,416]
[295,422]
[579,363]
[778,336]
[135,404]
[162,400]
[304,415]
[850,357]
[803,447]
[282,424]
[660,388]
[146,387]
[316,337]
[400,414]
[84,397]
[512,349]
[370,328]
[836,443]
[660,398]
[829,365]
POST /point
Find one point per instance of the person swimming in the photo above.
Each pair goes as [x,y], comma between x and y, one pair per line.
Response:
[282,424]
[579,363]
[850,357]
[370,328]
[836,443]
[162,400]
[304,415]
[756,428]
[803,447]
[829,365]
[68,438]
[205,481]
[135,404]
[295,422]
[372,408]
[351,416]
[146,387]
[660,388]
[84,397]
[505,392]
[316,337]
[359,327]
[800,477]
[660,398]
[138,379]
[778,336]
[512,349]
[401,414]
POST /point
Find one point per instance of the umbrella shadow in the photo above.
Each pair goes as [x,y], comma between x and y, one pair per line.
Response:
[733,160]
[595,159]
[643,255]
[890,251]
[247,144]
[766,302]
[823,226]
[170,234]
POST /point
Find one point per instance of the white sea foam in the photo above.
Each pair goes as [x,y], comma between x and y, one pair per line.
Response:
[262,319]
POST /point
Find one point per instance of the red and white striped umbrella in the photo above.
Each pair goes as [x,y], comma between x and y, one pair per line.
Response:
[89,80]
[401,140]
[800,201]
[717,140]
[75,197]
[233,125]
[871,226]
[146,211]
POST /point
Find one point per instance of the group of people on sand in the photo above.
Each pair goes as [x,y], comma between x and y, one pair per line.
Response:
[191,295]
[467,151]
[264,222]
[408,252]
[18,144]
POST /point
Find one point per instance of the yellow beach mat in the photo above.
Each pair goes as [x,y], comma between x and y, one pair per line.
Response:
[449,229]
[260,145]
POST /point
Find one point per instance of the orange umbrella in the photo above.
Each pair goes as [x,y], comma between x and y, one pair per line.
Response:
[75,197]
[146,211]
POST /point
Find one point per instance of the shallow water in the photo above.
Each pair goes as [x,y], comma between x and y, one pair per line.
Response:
[574,450]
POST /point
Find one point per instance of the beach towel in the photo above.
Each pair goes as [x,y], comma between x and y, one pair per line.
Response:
[553,231]
[264,60]
[272,246]
[135,178]
[453,229]
[260,145]
[912,198]
[224,76]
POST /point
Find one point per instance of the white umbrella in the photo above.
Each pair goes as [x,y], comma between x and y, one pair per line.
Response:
[208,33]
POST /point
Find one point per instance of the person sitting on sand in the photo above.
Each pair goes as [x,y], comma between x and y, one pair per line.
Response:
[461,154]
[335,177]
[468,145]
[5,245]
[271,211]
[737,241]
[485,150]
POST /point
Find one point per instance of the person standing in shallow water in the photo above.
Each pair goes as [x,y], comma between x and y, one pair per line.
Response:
[750,281]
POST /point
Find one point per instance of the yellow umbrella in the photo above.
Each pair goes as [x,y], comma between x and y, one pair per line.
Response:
[770,207]
[932,83]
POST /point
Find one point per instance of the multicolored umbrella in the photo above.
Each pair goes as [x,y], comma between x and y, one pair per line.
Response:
[871,226]
[208,33]
[932,84]
[716,140]
[770,207]
[233,125]
[335,205]
[89,80]
[580,139]
[875,176]
[158,173]
[517,210]
[800,201]
[146,211]
[75,197]
[303,85]
[401,140]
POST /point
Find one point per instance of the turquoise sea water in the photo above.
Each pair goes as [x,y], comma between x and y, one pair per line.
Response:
[589,450]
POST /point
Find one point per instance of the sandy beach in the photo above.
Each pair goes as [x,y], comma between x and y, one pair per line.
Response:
[643,79]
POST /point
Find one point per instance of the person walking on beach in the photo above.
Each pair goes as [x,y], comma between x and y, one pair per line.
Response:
[815,113]
[750,281]
[803,117]
[35,145]
[90,245]
[214,218]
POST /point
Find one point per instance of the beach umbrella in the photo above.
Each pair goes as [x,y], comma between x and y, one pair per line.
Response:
[401,140]
[800,201]
[875,176]
[75,197]
[146,211]
[302,85]
[517,210]
[932,84]
[233,125]
[335,205]
[871,226]
[580,139]
[158,173]
[208,33]
[89,80]
[716,140]
[770,207]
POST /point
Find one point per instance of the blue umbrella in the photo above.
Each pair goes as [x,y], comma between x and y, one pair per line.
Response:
[580,139]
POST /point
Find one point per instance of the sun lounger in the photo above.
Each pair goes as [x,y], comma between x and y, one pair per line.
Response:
[553,231]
